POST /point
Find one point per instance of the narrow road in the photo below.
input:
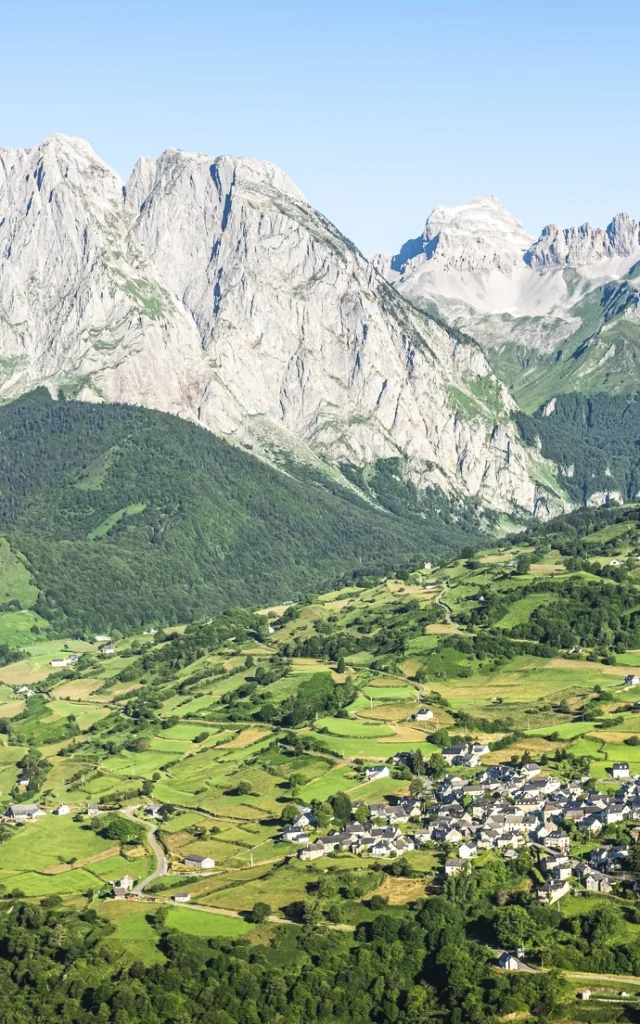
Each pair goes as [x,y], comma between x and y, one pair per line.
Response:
[162,867]
[440,600]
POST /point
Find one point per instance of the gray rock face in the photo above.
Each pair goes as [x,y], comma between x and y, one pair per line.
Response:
[212,289]
[583,246]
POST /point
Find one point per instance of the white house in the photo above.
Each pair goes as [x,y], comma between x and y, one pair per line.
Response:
[195,860]
[424,715]
[293,835]
[467,850]
[102,638]
[126,882]
[379,772]
[62,809]
[182,897]
[508,962]
[452,865]
[631,680]
[305,819]
[108,649]
[620,770]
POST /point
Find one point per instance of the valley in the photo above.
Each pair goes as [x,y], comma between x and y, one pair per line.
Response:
[362,725]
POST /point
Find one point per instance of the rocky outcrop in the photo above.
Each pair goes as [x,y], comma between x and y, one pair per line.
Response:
[212,289]
[584,246]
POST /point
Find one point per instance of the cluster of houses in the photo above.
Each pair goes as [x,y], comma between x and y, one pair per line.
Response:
[23,813]
[503,808]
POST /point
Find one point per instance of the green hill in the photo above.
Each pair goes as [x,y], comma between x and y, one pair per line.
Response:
[126,516]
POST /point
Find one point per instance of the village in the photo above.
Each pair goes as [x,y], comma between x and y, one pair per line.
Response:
[502,808]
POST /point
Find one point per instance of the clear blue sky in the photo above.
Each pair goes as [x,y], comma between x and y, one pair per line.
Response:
[377,111]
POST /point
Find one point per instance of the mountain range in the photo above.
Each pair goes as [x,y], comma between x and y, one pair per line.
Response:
[211,289]
[553,314]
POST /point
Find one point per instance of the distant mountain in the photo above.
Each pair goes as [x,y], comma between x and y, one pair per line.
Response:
[210,288]
[555,314]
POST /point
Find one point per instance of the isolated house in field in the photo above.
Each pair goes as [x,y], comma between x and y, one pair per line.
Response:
[195,860]
[93,809]
[620,770]
[62,809]
[102,638]
[24,812]
[108,649]
[424,715]
[379,772]
[631,680]
[182,897]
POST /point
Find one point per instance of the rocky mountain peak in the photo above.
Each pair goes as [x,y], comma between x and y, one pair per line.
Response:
[583,246]
[476,236]
[209,287]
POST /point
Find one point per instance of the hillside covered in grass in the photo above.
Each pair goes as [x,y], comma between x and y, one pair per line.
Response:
[217,732]
[123,516]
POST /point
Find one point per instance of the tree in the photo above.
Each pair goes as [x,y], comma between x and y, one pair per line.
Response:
[260,912]
[323,813]
[437,766]
[289,813]
[296,781]
[362,813]
[523,565]
[342,808]
[243,788]
[119,828]
[416,787]
[341,665]
[514,927]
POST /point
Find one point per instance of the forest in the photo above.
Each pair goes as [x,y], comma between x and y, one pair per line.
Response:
[128,516]
[594,438]
[414,967]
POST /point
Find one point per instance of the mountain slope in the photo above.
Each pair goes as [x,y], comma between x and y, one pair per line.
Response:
[555,314]
[212,289]
[128,516]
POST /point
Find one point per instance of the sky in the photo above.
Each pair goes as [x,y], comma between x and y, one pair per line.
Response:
[378,112]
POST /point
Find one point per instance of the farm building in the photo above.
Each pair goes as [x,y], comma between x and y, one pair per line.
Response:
[195,860]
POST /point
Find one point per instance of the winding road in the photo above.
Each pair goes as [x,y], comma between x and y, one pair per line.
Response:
[162,866]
